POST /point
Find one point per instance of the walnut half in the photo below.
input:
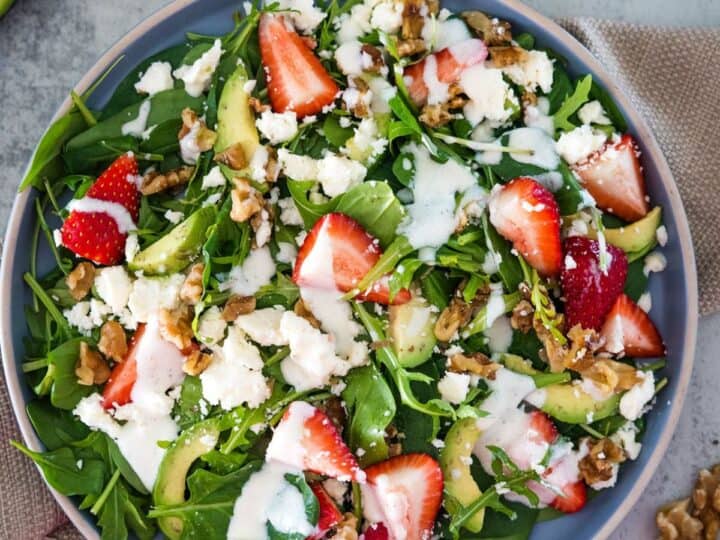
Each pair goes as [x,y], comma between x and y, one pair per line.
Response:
[176,327]
[601,461]
[238,305]
[192,288]
[197,362]
[80,280]
[477,363]
[155,182]
[91,367]
[675,522]
[113,341]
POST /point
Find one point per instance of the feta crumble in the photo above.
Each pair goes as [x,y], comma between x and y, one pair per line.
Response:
[578,144]
[157,78]
[277,127]
[198,75]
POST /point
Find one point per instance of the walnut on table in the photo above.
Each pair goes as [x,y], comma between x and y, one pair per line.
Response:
[695,518]
[675,522]
[113,341]
[91,367]
[80,280]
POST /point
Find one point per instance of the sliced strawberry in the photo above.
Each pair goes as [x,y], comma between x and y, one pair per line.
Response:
[573,498]
[525,213]
[614,178]
[407,491]
[307,439]
[117,184]
[329,513]
[122,379]
[353,252]
[589,292]
[447,65]
[296,79]
[629,330]
[542,429]
[376,531]
[94,236]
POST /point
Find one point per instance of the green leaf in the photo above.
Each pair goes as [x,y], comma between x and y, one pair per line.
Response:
[404,168]
[127,472]
[437,288]
[61,471]
[281,293]
[368,417]
[570,196]
[55,427]
[525,40]
[374,205]
[120,512]
[187,410]
[309,211]
[572,103]
[66,391]
[636,281]
[334,132]
[562,87]
[611,109]
[509,267]
[403,275]
[386,263]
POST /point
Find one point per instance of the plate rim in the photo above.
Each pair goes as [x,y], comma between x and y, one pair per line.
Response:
[14,383]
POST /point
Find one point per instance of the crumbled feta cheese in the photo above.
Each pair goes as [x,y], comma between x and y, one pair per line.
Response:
[173,216]
[535,71]
[264,230]
[197,76]
[277,127]
[387,16]
[152,294]
[114,286]
[57,237]
[212,200]
[489,95]
[297,167]
[132,247]
[634,400]
[578,144]
[625,438]
[211,326]
[351,26]
[189,148]
[349,58]
[304,15]
[258,164]
[257,270]
[654,262]
[87,315]
[337,174]
[214,178]
[263,326]
[289,214]
[661,235]
[593,113]
[336,489]
[286,253]
[367,139]
[454,387]
[157,78]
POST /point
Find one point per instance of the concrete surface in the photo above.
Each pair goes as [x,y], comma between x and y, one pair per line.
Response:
[47,45]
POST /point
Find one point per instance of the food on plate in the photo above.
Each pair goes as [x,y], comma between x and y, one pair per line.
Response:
[374,271]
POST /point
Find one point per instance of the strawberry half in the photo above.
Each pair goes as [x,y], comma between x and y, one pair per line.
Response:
[448,65]
[119,387]
[307,439]
[117,184]
[628,330]
[329,514]
[589,292]
[404,493]
[296,79]
[336,254]
[573,498]
[526,213]
[614,178]
[376,531]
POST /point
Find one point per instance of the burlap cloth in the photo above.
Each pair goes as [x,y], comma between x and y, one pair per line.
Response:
[672,77]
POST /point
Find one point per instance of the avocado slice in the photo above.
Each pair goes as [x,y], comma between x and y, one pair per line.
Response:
[170,484]
[412,331]
[174,251]
[635,239]
[455,464]
[571,404]
[518,364]
[236,120]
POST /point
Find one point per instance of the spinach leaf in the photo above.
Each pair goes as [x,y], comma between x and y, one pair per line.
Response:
[526,41]
[55,427]
[187,409]
[561,88]
[572,103]
[127,472]
[334,132]
[570,196]
[281,293]
[309,211]
[62,471]
[66,391]
[368,417]
[611,108]
[120,511]
[509,267]
[374,205]
[636,281]
[437,288]
[404,168]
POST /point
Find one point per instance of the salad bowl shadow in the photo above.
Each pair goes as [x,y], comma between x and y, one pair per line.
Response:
[674,291]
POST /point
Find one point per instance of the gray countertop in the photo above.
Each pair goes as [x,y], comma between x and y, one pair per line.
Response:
[47,45]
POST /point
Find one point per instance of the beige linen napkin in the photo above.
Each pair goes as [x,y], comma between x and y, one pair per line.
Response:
[671,77]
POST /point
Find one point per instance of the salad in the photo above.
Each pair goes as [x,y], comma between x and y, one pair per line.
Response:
[373,270]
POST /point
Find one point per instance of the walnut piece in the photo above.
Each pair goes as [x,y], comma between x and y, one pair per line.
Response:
[522,316]
[155,182]
[376,58]
[346,529]
[493,31]
[504,56]
[675,522]
[246,201]
[236,306]
[301,310]
[113,341]
[233,156]
[439,114]
[458,313]
[410,47]
[610,376]
[176,327]
[204,138]
[706,501]
[601,461]
[80,280]
[192,288]
[257,105]
[197,362]
[413,19]
[91,367]
[477,363]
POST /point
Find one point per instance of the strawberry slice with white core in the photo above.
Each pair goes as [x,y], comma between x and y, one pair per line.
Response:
[404,493]
[433,74]
[306,439]
[629,331]
[614,178]
[296,79]
[336,254]
[525,212]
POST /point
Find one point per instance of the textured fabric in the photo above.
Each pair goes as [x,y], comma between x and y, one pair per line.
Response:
[671,77]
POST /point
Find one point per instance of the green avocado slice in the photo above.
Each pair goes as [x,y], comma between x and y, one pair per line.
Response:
[236,121]
[412,331]
[571,404]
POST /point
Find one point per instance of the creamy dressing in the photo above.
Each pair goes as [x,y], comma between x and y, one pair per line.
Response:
[499,335]
[536,140]
[432,216]
[256,270]
[508,390]
[116,211]
[437,90]
[137,127]
[488,94]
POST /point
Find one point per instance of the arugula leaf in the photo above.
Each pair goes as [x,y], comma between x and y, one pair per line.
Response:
[368,417]
[121,511]
[572,103]
[387,261]
[403,274]
[309,211]
[60,469]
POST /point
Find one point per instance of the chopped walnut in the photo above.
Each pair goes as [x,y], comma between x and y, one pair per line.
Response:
[197,362]
[155,182]
[706,501]
[192,288]
[452,318]
[246,201]
[346,529]
[528,98]
[610,376]
[257,105]
[272,168]
[582,347]
[301,310]
[413,19]
[113,341]
[411,47]
[376,58]
[80,280]
[205,137]
[493,31]
[176,327]
[675,522]
[477,363]
[504,56]
[522,316]
[233,156]
[601,461]
[236,306]
[91,367]
[439,114]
